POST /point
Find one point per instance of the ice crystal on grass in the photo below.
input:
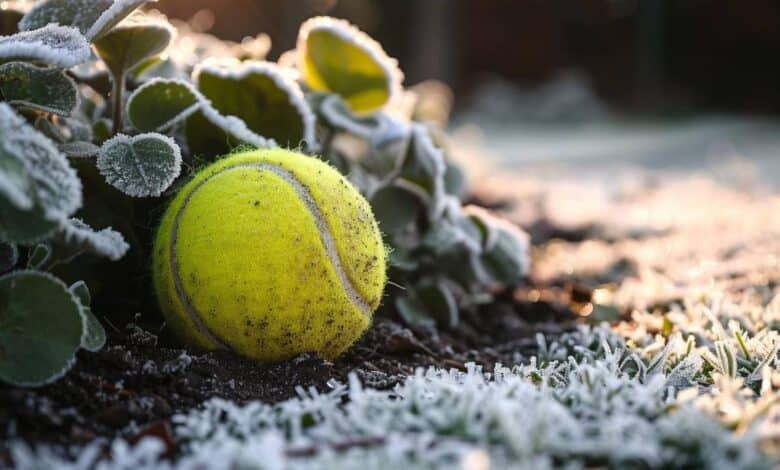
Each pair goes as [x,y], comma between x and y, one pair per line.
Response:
[587,400]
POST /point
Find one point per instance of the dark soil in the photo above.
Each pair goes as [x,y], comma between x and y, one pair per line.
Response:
[133,386]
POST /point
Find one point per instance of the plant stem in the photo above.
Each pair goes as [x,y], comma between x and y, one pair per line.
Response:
[116,95]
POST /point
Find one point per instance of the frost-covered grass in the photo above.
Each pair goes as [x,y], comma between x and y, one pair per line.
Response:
[693,384]
[588,399]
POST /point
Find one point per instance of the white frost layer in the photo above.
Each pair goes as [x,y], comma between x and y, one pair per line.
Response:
[581,401]
[235,70]
[61,46]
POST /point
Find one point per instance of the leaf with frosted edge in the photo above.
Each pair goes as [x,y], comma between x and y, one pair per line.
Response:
[424,167]
[132,42]
[80,237]
[38,256]
[80,149]
[160,104]
[42,89]
[336,57]
[93,18]
[141,166]
[94,334]
[38,187]
[61,46]
[262,95]
[210,134]
[336,113]
[505,247]
[41,327]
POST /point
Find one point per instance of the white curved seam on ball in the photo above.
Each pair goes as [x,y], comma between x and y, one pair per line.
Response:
[322,227]
[174,266]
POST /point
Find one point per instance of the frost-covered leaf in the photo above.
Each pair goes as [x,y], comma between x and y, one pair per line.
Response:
[81,291]
[141,166]
[335,112]
[210,134]
[336,57]
[80,238]
[39,255]
[41,327]
[93,18]
[61,46]
[132,42]
[42,89]
[505,247]
[80,149]
[94,334]
[413,311]
[38,188]
[9,256]
[397,210]
[262,95]
[160,104]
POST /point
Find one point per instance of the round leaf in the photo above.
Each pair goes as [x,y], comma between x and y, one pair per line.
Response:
[140,166]
[210,134]
[260,94]
[132,42]
[38,188]
[61,46]
[48,90]
[92,17]
[94,335]
[336,57]
[160,104]
[41,327]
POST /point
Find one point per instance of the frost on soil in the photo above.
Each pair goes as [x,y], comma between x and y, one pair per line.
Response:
[690,382]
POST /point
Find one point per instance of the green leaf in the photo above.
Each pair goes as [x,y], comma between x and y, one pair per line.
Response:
[397,211]
[262,95]
[141,166]
[39,255]
[413,311]
[80,149]
[38,188]
[211,134]
[132,42]
[93,18]
[439,300]
[41,327]
[160,104]
[94,335]
[81,290]
[76,237]
[336,57]
[60,46]
[9,256]
[42,89]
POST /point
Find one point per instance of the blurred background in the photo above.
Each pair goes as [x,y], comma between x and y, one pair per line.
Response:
[677,85]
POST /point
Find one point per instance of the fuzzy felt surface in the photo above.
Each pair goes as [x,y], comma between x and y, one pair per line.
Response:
[270,253]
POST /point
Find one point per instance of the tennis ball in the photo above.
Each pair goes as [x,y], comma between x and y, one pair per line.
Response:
[269,253]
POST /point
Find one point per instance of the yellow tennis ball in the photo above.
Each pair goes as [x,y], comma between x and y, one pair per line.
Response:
[269,253]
